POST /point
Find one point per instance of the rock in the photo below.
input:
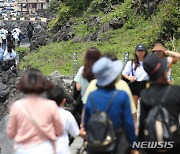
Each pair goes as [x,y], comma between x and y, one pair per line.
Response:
[66,32]
[34,45]
[116,23]
[87,38]
[76,39]
[106,27]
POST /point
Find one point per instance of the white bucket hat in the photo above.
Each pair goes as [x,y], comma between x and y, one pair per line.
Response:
[106,71]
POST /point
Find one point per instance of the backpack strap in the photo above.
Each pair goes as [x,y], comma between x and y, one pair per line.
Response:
[162,100]
[109,104]
[111,100]
[132,68]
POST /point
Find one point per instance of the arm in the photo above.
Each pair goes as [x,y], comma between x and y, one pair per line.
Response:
[73,128]
[128,120]
[91,87]
[78,78]
[143,115]
[127,72]
[12,123]
[176,55]
[58,127]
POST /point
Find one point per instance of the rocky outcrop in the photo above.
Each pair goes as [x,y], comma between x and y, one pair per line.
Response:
[144,6]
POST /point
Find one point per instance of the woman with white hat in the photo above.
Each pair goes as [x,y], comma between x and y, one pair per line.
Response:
[107,73]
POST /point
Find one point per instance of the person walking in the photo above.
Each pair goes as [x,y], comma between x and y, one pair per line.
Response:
[107,73]
[16,33]
[135,73]
[10,40]
[85,75]
[10,57]
[119,85]
[34,121]
[3,34]
[70,126]
[30,30]
[152,98]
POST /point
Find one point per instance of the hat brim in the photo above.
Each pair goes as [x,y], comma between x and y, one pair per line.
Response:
[161,71]
[116,69]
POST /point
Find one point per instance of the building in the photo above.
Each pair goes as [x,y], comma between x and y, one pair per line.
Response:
[32,6]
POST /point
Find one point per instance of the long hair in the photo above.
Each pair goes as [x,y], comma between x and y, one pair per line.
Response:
[136,60]
[92,55]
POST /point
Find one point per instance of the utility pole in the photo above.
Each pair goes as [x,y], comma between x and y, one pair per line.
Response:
[75,64]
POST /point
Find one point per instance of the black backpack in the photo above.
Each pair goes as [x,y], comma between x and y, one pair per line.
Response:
[160,126]
[100,131]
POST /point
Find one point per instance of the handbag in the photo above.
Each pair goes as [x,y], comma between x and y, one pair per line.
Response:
[28,115]
[126,80]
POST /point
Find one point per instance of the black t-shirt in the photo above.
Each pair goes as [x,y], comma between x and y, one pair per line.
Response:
[171,103]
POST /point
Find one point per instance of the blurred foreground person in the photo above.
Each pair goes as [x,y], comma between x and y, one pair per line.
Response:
[160,108]
[34,121]
[70,126]
[108,113]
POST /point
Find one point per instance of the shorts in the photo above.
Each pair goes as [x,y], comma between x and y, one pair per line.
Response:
[137,86]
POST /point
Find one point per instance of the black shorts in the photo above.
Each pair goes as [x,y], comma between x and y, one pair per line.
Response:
[137,86]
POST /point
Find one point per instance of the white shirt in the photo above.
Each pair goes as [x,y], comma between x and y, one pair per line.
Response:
[3,33]
[9,56]
[15,33]
[140,74]
[70,127]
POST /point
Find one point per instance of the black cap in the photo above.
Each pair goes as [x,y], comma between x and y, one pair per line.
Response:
[154,66]
[140,47]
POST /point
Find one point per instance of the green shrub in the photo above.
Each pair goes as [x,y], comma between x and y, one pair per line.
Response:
[98,5]
[62,16]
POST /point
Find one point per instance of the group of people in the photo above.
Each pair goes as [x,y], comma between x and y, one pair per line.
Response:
[9,40]
[39,124]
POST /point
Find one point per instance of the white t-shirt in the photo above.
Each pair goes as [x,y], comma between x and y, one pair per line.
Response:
[84,82]
[9,56]
[70,127]
[15,33]
[3,33]
[140,74]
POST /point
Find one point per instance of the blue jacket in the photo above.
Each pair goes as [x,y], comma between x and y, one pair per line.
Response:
[120,112]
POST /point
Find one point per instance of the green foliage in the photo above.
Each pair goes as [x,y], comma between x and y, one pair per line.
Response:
[22,51]
[62,16]
[98,5]
[171,21]
[54,4]
[136,29]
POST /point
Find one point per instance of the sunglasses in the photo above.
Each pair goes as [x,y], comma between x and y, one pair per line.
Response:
[154,51]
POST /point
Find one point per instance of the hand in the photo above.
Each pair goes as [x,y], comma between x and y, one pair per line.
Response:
[166,52]
[131,78]
[82,132]
[134,152]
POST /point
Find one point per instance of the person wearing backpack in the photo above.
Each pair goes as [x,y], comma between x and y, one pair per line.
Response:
[107,112]
[160,108]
